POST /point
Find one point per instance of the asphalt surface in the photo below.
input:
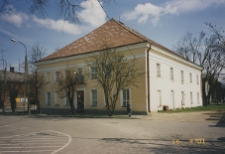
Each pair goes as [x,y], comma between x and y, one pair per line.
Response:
[202,132]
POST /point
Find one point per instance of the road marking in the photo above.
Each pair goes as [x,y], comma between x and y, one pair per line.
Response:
[14,129]
[31,142]
[31,147]
[69,141]
[4,126]
[27,151]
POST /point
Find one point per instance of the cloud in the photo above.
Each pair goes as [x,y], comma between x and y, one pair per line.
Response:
[92,13]
[144,12]
[196,5]
[14,17]
[58,25]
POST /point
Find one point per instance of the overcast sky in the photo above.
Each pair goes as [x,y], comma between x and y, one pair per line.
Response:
[164,21]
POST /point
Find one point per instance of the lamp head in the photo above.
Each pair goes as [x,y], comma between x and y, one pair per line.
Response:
[13,40]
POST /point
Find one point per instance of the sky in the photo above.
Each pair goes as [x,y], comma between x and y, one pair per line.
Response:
[163,21]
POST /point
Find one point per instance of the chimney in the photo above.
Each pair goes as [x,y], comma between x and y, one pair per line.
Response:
[11,69]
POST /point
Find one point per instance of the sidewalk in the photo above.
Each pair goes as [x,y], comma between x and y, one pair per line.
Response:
[217,116]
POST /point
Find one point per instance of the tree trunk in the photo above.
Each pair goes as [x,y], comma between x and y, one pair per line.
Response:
[13,105]
[38,107]
[72,108]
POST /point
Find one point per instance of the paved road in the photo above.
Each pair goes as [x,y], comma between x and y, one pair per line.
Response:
[158,133]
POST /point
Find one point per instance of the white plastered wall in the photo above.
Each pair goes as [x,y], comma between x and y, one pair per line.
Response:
[164,84]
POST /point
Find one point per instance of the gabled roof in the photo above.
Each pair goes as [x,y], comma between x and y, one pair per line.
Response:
[115,33]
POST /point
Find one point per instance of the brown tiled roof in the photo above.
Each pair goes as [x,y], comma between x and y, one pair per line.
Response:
[114,33]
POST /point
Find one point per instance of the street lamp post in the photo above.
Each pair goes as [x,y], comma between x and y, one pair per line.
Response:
[5,75]
[26,71]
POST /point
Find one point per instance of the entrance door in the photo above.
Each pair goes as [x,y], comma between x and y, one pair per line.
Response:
[80,100]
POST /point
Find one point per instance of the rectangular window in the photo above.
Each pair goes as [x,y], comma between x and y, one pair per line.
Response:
[182,98]
[48,98]
[79,71]
[94,97]
[197,79]
[198,98]
[159,98]
[93,72]
[182,77]
[57,76]
[79,75]
[66,103]
[191,98]
[190,78]
[57,98]
[126,97]
[171,73]
[47,77]
[172,98]
[158,70]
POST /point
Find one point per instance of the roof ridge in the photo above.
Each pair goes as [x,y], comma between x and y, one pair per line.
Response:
[139,35]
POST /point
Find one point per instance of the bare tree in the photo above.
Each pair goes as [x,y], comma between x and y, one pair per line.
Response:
[15,84]
[115,72]
[13,87]
[37,53]
[66,8]
[208,52]
[67,85]
[35,80]
[190,47]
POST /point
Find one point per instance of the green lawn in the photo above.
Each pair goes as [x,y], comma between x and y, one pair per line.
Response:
[220,107]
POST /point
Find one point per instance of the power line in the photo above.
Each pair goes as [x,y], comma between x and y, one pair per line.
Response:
[166,10]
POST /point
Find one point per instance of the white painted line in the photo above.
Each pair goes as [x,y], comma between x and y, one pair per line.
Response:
[30,147]
[33,143]
[29,134]
[38,141]
[14,129]
[53,141]
[27,151]
[4,126]
[19,139]
[69,141]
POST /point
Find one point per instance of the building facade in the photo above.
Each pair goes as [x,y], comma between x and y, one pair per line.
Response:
[168,80]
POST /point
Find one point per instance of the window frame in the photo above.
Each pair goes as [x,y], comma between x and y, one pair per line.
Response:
[92,97]
[66,101]
[79,71]
[190,75]
[47,77]
[93,74]
[57,76]
[48,98]
[191,97]
[198,97]
[127,96]
[182,98]
[171,73]
[158,70]
[159,98]
[182,76]
[197,78]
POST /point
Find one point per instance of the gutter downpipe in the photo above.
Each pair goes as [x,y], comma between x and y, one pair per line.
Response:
[148,78]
